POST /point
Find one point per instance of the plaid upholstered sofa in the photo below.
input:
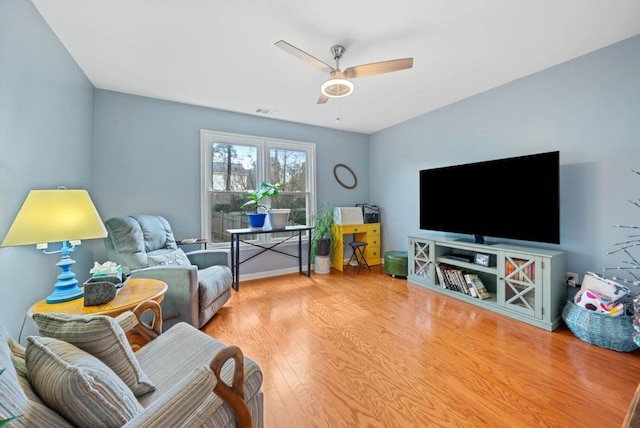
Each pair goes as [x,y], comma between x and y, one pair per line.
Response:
[81,371]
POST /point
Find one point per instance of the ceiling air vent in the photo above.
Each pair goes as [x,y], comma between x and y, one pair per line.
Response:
[265,111]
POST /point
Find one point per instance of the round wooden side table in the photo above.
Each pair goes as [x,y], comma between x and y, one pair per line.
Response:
[134,292]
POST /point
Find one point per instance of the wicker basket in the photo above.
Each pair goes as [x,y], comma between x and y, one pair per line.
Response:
[602,330]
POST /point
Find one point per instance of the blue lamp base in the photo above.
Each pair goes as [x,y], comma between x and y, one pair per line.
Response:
[66,288]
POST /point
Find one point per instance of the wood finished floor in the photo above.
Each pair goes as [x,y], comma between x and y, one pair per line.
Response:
[368,350]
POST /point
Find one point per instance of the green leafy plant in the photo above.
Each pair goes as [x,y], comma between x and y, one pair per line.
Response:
[323,231]
[5,422]
[265,190]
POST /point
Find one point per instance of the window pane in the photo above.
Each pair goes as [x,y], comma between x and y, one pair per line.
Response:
[234,167]
[298,205]
[289,167]
[226,213]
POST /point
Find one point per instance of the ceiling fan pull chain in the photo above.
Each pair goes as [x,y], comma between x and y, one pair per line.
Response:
[337,110]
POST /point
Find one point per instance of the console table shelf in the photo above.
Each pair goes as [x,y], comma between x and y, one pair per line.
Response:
[525,283]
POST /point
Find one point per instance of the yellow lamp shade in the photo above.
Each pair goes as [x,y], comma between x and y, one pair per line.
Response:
[55,216]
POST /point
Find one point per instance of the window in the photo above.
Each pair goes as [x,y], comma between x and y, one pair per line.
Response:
[233,165]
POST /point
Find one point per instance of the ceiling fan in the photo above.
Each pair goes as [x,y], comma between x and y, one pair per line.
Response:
[339,85]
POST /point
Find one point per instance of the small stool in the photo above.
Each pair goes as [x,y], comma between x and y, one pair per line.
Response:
[358,254]
[396,263]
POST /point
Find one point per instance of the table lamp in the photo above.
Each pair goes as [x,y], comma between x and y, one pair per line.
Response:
[60,215]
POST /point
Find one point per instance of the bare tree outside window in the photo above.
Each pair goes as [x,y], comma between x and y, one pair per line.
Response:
[290,167]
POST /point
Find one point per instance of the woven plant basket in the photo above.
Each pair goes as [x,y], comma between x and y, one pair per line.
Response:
[614,333]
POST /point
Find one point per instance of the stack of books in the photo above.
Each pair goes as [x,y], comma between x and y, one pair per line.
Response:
[456,279]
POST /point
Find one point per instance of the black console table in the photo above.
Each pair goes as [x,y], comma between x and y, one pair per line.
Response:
[236,239]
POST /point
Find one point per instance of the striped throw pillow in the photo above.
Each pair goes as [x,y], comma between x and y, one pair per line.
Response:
[102,337]
[77,385]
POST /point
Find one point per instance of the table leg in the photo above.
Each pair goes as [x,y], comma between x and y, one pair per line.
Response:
[308,272]
[235,260]
[300,251]
[309,256]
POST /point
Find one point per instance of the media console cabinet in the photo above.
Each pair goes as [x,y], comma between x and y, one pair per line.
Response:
[525,283]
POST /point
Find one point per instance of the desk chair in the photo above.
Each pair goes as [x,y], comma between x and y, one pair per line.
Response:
[358,254]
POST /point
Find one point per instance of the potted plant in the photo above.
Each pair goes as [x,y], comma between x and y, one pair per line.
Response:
[322,239]
[277,218]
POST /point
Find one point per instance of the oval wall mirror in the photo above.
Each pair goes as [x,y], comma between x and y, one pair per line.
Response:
[345,176]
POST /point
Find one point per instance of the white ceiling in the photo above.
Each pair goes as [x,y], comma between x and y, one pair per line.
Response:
[221,54]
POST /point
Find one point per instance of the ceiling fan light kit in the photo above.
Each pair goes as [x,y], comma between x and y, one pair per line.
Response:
[337,88]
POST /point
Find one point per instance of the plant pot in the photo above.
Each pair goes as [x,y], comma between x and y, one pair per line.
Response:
[322,265]
[256,220]
[278,218]
[323,247]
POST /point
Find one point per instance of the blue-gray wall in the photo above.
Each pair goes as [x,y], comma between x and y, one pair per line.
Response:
[587,108]
[147,161]
[147,156]
[46,140]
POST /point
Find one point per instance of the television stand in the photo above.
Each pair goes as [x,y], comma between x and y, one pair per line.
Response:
[525,283]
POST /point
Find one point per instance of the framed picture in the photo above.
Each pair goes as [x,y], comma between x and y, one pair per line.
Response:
[482,259]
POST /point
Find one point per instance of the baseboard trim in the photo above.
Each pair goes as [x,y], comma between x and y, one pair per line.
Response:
[267,274]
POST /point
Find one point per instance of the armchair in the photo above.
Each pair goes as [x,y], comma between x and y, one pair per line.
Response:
[198,284]
[81,371]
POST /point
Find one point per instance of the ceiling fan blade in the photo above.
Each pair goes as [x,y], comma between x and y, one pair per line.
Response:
[300,54]
[378,68]
[323,98]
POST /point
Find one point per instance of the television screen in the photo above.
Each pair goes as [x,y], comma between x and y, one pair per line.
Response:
[514,198]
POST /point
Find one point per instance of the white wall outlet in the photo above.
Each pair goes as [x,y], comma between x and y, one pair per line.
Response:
[572,279]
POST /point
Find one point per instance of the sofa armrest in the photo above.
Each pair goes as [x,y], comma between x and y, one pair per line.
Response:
[152,329]
[139,331]
[232,394]
[181,299]
[127,321]
[179,406]
[206,258]
[182,405]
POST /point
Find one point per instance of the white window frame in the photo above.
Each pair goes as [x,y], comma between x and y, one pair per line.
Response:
[264,145]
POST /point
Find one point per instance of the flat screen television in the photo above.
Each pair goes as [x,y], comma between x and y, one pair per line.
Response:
[514,198]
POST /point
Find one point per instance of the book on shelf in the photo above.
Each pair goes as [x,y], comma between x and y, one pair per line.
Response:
[474,281]
[449,275]
[452,278]
[520,270]
[473,293]
[463,284]
[444,275]
[443,283]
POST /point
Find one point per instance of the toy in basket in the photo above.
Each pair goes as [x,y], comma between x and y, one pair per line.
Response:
[601,314]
